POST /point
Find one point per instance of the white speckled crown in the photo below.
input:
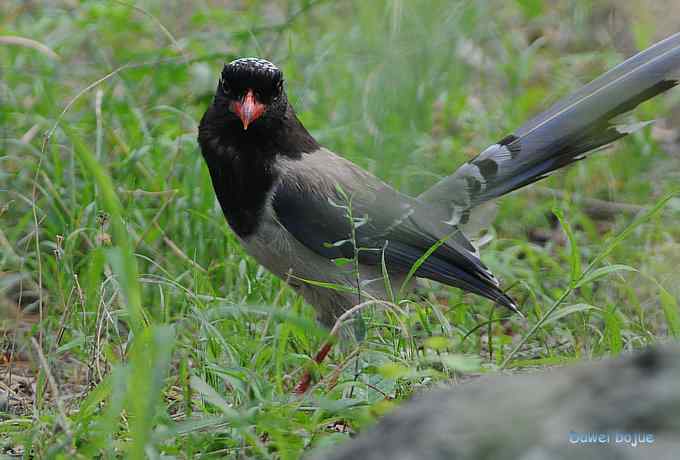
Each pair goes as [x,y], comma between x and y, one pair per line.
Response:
[260,64]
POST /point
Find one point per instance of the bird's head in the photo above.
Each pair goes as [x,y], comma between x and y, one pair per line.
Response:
[250,116]
[251,89]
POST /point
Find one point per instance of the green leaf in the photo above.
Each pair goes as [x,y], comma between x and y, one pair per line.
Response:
[124,262]
[461,363]
[447,329]
[386,276]
[569,310]
[323,284]
[670,308]
[213,397]
[602,272]
[342,261]
[77,342]
[531,8]
[612,330]
[438,342]
[575,255]
[113,387]
[421,261]
[299,323]
[394,371]
[237,420]
[89,405]
[614,242]
[671,311]
[149,364]
[187,426]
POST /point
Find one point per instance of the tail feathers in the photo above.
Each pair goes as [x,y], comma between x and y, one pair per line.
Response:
[471,282]
[563,134]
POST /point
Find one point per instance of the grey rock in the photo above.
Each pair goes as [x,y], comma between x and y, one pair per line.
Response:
[539,416]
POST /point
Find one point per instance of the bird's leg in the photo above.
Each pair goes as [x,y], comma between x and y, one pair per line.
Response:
[303,384]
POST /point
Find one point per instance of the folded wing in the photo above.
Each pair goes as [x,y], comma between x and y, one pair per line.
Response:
[345,205]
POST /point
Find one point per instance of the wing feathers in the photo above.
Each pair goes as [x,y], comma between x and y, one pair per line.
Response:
[315,210]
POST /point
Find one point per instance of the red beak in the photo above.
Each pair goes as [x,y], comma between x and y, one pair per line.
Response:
[248,109]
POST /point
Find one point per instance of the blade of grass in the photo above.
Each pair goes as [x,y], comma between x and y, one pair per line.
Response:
[149,364]
[670,307]
[421,260]
[575,254]
[214,398]
[122,257]
[609,247]
[612,330]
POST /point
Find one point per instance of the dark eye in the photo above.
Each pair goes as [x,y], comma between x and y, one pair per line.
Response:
[225,86]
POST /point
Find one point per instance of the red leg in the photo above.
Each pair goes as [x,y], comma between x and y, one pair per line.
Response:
[303,385]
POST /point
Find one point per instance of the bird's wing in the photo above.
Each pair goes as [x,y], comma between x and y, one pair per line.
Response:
[329,204]
[564,133]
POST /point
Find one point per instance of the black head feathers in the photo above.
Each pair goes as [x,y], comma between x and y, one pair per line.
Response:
[250,116]
[259,75]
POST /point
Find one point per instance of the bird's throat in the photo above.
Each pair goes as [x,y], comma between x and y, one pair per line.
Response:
[243,164]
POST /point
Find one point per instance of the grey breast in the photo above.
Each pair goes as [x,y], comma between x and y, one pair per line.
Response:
[286,257]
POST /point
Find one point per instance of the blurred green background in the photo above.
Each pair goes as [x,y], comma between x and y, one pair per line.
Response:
[133,325]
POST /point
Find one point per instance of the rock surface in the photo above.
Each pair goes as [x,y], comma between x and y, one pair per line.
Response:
[547,415]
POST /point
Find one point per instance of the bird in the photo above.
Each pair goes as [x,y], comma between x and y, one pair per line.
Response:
[315,219]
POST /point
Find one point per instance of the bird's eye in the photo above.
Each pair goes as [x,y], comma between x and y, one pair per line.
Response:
[225,86]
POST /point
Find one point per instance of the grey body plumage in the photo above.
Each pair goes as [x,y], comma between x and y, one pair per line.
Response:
[288,199]
[286,256]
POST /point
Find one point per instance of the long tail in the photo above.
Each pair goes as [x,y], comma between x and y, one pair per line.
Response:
[580,123]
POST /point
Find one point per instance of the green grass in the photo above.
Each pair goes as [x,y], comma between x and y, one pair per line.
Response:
[162,338]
